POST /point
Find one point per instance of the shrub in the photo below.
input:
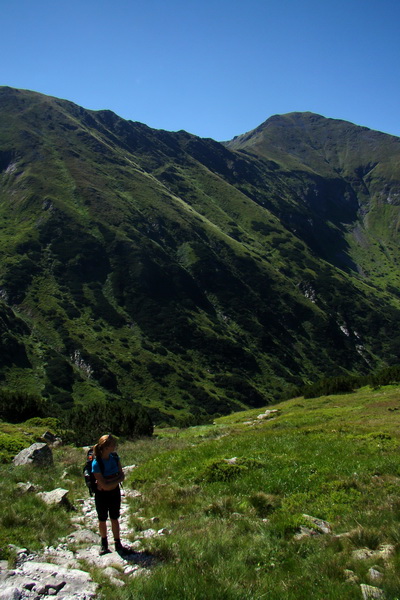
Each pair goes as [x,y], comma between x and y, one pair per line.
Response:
[85,423]
[17,407]
[385,376]
[221,470]
[223,507]
[10,445]
[331,385]
[263,503]
[45,422]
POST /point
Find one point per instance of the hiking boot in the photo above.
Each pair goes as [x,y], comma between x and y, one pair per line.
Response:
[104,547]
[121,549]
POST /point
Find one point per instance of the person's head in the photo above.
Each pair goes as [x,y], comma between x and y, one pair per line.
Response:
[106,442]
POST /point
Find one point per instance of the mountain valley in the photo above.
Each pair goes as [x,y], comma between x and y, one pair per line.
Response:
[193,277]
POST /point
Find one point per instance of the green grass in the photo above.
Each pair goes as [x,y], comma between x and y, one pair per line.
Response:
[232,525]
[336,458]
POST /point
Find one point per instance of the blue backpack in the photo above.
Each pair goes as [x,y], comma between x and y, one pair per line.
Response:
[90,479]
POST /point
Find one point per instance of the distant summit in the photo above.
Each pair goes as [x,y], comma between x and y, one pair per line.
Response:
[326,146]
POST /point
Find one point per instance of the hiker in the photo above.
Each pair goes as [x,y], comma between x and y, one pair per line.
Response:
[107,470]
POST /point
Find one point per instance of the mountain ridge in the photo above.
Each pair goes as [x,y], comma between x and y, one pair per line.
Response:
[175,271]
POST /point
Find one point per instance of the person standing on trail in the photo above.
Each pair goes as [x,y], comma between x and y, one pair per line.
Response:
[106,468]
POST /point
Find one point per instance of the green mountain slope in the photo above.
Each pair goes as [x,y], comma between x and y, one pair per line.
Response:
[348,178]
[173,271]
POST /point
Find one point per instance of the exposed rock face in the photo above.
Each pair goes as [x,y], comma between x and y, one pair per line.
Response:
[38,454]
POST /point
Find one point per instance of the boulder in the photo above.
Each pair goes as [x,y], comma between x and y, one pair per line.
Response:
[70,581]
[38,454]
[49,437]
[25,488]
[319,524]
[10,593]
[350,576]
[384,552]
[374,574]
[305,532]
[371,593]
[269,414]
[111,572]
[57,496]
[128,469]
[363,554]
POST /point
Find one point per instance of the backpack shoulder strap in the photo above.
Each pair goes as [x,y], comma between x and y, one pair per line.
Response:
[101,465]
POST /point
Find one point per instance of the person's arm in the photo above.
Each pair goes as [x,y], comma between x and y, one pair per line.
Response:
[120,471]
[108,484]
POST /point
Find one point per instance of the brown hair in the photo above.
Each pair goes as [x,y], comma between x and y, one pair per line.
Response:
[104,442]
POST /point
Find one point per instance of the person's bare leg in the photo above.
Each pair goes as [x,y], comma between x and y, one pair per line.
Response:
[103,528]
[115,528]
[118,546]
[103,532]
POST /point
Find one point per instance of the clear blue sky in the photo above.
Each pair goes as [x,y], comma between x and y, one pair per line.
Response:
[216,68]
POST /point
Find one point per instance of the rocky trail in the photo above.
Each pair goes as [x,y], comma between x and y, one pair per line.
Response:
[62,571]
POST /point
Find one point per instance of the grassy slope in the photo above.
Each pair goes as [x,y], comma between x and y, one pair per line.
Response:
[335,458]
[232,526]
[163,263]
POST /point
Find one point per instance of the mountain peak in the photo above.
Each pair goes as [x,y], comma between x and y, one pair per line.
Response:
[309,141]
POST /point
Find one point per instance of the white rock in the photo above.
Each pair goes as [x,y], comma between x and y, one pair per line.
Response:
[117,582]
[350,576]
[37,454]
[386,551]
[10,593]
[305,532]
[362,554]
[137,545]
[147,533]
[57,496]
[24,488]
[132,493]
[111,572]
[374,574]
[128,469]
[130,569]
[319,524]
[371,593]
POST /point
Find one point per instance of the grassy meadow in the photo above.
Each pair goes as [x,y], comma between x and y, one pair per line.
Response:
[233,524]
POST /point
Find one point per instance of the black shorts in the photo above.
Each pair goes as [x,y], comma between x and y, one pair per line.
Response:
[108,503]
